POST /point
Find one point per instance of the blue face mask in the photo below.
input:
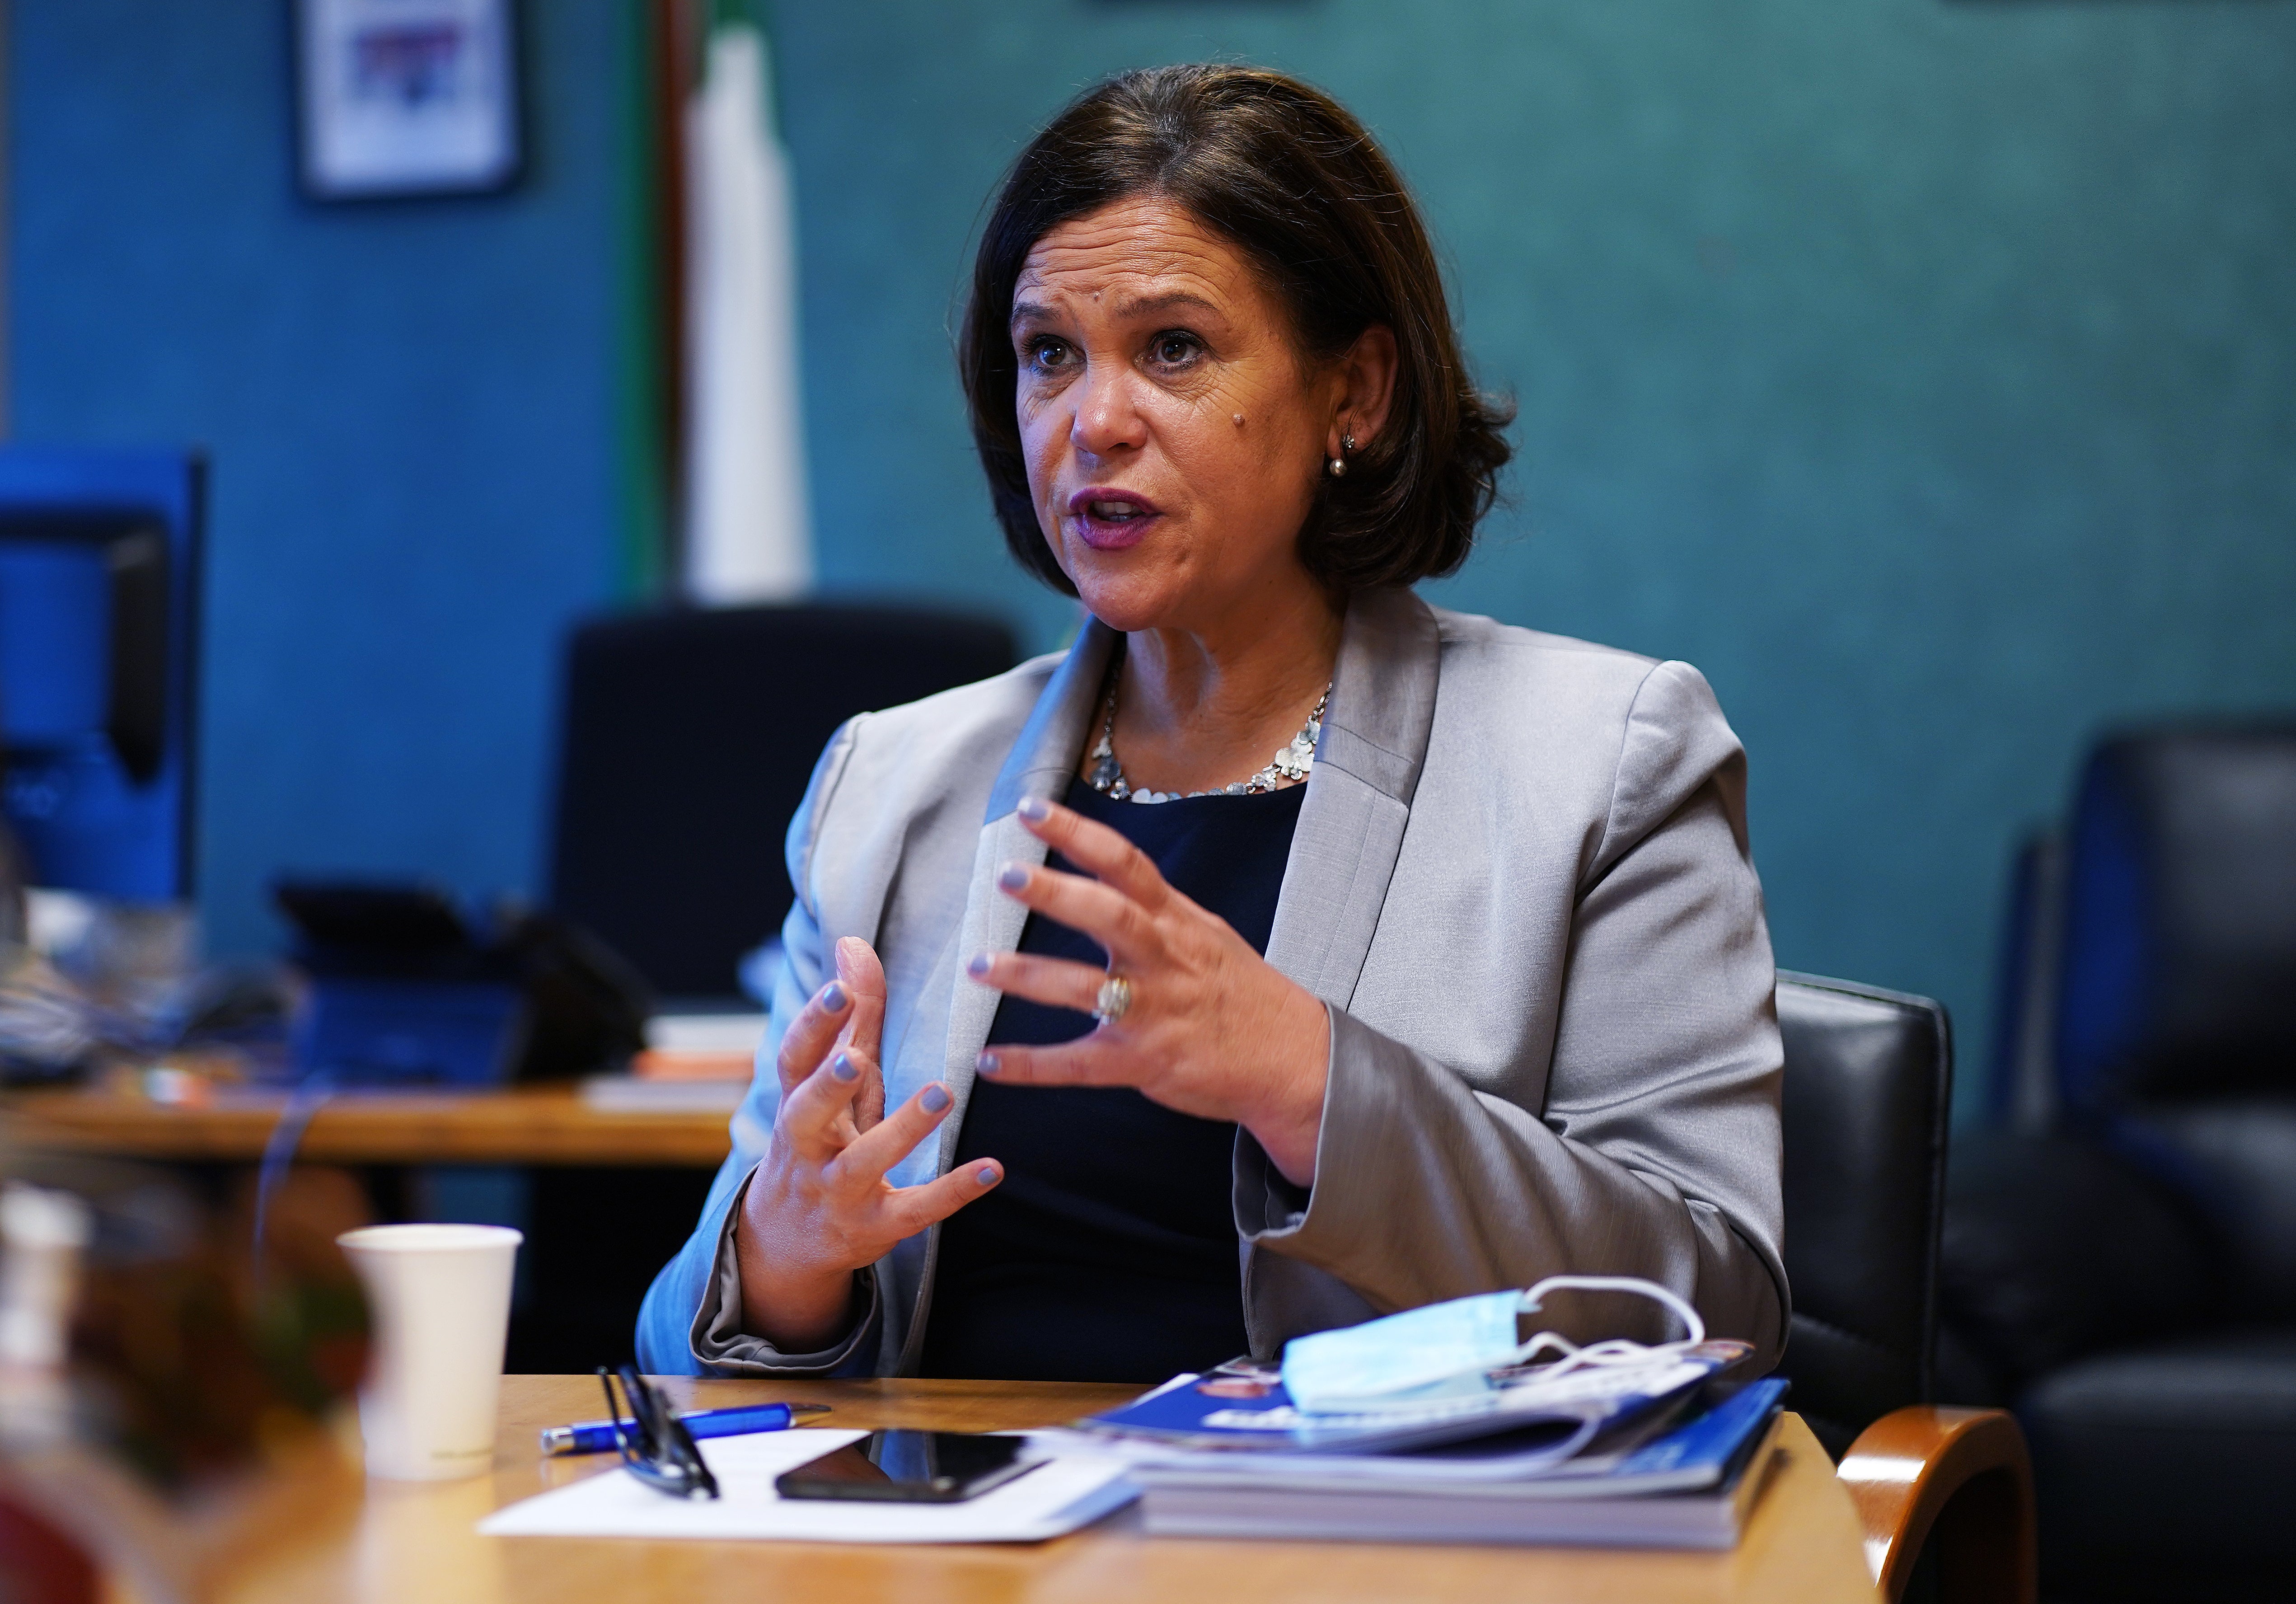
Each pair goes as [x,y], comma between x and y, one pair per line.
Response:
[1450,1350]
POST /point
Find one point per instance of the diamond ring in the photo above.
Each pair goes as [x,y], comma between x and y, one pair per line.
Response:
[1115,998]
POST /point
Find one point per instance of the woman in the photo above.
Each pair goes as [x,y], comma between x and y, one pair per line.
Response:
[1487,996]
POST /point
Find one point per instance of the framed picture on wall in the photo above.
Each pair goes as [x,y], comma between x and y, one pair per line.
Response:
[406,97]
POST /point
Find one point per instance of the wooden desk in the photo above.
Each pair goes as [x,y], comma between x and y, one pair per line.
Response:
[529,1125]
[417,1543]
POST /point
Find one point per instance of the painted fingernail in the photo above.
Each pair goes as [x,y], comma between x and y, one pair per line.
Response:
[935,1098]
[834,998]
[978,965]
[1035,809]
[984,1175]
[1013,876]
[988,1064]
[843,1068]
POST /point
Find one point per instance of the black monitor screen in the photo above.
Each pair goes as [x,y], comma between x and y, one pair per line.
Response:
[94,667]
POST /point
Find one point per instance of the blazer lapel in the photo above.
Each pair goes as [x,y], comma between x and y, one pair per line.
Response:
[1368,767]
[1044,757]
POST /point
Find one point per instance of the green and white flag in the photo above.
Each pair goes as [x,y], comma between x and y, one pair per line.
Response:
[749,534]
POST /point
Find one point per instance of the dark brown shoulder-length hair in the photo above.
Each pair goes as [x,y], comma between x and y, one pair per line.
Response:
[1284,172]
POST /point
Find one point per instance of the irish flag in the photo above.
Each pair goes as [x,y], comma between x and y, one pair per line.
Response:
[747,533]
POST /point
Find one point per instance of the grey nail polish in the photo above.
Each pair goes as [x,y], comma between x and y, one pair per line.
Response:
[977,964]
[833,997]
[986,1063]
[986,1177]
[935,1098]
[843,1068]
[1013,876]
[1035,809]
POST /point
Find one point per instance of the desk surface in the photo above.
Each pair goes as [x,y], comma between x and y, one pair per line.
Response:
[527,1125]
[418,1542]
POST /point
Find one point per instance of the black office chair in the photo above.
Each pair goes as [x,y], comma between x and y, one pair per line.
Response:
[2120,1258]
[1868,1084]
[689,736]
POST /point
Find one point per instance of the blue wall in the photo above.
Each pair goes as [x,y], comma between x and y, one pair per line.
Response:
[410,408]
[1924,371]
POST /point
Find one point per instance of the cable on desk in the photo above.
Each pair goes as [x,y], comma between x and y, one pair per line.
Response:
[278,1148]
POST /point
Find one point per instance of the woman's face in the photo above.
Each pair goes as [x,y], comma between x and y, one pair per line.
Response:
[1173,433]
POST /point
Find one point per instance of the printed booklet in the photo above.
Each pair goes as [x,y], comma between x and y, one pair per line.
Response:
[1242,1409]
[1692,1487]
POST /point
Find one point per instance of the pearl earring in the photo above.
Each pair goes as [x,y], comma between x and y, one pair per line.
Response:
[1339,464]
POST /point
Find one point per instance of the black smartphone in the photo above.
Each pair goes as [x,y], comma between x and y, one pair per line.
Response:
[909,1468]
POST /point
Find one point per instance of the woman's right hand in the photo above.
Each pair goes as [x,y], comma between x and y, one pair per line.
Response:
[818,1208]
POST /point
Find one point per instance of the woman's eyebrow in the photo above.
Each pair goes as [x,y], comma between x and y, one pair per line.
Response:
[1145,305]
[1026,312]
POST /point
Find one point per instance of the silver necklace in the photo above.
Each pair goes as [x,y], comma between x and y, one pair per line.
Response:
[1289,767]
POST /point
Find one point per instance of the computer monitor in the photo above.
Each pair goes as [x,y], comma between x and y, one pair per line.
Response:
[99,618]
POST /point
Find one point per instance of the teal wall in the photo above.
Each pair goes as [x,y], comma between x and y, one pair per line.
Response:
[411,409]
[1923,372]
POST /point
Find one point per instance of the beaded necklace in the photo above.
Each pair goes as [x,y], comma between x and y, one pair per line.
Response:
[1289,767]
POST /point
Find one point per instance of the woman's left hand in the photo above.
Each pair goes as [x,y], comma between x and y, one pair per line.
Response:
[1213,1029]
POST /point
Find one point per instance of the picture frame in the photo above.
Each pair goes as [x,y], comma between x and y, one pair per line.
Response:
[398,98]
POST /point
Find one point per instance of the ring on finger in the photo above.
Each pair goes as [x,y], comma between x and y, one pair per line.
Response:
[1115,999]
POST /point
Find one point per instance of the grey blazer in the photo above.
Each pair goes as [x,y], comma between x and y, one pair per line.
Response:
[1520,884]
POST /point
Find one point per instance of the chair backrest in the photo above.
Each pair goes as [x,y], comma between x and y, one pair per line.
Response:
[1868,1084]
[2179,945]
[2177,963]
[688,737]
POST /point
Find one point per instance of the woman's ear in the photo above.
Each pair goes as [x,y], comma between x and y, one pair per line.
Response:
[1366,374]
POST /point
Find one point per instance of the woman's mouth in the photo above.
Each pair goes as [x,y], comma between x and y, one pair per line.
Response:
[1109,520]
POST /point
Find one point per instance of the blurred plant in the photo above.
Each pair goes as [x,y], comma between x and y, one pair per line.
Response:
[197,1415]
[191,1358]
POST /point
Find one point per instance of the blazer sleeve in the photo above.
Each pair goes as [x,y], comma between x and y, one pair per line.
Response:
[1656,1151]
[689,1323]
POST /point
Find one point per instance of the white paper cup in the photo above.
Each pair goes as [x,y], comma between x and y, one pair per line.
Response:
[439,1297]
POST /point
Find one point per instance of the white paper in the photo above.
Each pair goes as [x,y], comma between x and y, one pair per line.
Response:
[1056,1497]
[628,1094]
[714,1034]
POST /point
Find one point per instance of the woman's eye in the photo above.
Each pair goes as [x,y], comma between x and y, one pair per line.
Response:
[1173,349]
[1047,355]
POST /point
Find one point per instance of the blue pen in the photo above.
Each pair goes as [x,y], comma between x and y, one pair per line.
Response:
[597,1436]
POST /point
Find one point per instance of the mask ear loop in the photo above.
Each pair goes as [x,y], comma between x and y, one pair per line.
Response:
[1616,1350]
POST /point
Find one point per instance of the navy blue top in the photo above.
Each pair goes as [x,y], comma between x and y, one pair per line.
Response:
[1109,1253]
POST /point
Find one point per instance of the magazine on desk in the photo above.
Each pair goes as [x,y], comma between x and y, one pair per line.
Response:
[1692,1485]
[1242,1409]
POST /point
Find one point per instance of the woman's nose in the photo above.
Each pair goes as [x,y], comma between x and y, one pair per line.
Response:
[1108,419]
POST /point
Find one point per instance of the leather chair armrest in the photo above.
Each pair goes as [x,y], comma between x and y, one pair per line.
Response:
[1961,1476]
[2056,1247]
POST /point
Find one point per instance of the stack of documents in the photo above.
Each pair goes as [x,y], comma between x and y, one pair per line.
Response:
[693,1064]
[1675,1465]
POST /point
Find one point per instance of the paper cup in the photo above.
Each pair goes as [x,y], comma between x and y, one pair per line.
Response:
[438,1296]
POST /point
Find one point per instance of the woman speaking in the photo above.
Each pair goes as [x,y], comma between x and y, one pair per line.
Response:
[1286,951]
